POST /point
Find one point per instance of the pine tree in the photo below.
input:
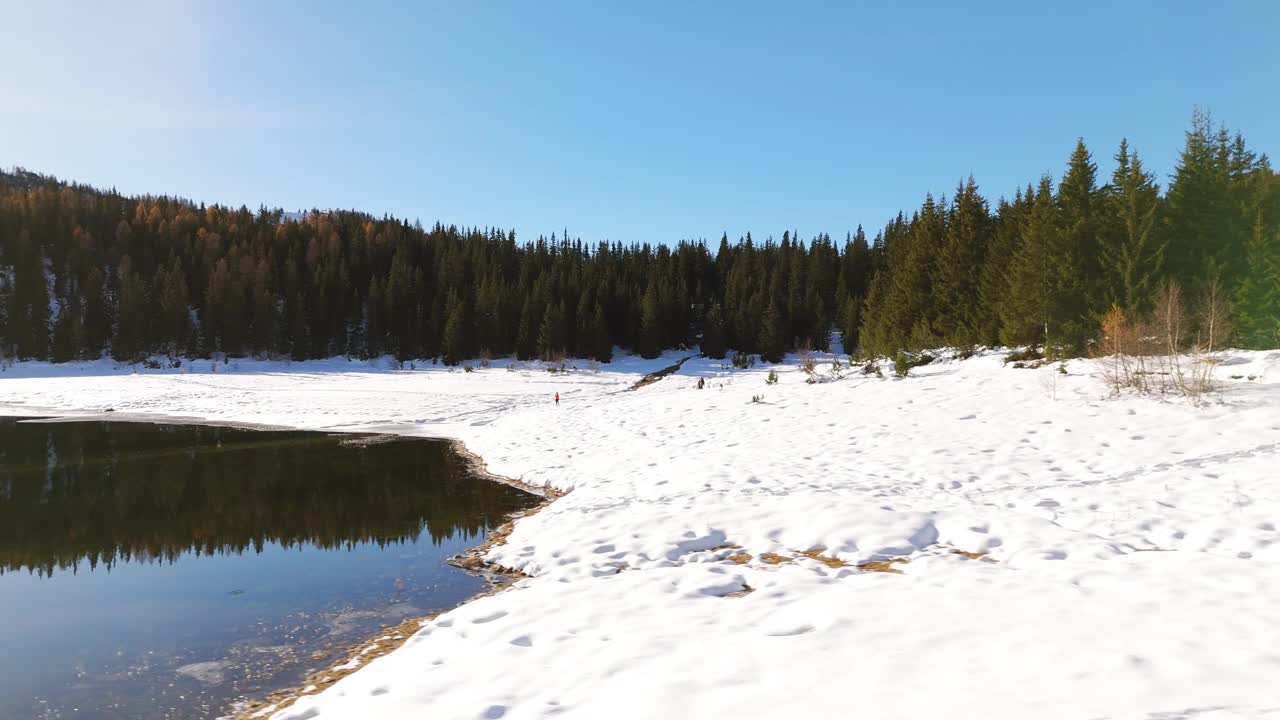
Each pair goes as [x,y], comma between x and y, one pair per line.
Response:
[1080,223]
[1133,255]
[772,342]
[299,328]
[713,345]
[67,333]
[1257,299]
[849,322]
[375,322]
[551,335]
[1032,312]
[132,320]
[29,308]
[650,340]
[601,343]
[993,276]
[454,345]
[174,313]
[1198,206]
[955,285]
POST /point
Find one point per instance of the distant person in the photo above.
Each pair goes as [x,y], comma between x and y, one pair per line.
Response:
[557,398]
[701,383]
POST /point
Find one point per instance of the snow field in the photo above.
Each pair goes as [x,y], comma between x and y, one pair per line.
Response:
[1066,554]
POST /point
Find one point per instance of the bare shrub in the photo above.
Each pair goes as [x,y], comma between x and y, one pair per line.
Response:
[1153,354]
[1213,320]
[808,363]
[1115,350]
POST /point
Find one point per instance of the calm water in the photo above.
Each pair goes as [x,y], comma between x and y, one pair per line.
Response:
[158,571]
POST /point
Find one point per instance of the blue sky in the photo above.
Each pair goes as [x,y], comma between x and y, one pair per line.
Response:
[632,122]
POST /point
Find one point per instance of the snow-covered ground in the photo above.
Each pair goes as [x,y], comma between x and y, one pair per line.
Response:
[1130,561]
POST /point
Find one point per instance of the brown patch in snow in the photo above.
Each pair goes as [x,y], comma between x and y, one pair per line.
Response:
[884,566]
[816,554]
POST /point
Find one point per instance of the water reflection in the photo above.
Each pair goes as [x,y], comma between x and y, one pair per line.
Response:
[155,572]
[74,494]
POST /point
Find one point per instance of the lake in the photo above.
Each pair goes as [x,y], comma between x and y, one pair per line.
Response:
[168,571]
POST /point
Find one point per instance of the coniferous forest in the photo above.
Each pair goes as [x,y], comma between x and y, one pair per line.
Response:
[85,272]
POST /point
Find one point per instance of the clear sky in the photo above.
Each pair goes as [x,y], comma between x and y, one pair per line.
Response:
[628,121]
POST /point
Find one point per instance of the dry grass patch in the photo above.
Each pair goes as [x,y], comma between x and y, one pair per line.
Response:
[884,566]
[816,554]
[774,558]
[740,558]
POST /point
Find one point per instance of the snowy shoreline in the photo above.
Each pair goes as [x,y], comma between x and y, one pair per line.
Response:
[649,593]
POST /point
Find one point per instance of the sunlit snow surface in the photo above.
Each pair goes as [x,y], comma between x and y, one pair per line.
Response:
[1131,563]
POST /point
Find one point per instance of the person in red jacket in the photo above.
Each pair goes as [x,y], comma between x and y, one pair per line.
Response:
[557,398]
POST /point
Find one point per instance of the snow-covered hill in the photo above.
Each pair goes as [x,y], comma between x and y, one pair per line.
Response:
[1056,553]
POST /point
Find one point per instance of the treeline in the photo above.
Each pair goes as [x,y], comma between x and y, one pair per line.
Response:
[1046,267]
[85,272]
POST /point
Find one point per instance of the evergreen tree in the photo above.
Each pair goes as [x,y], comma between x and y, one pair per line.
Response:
[455,346]
[132,318]
[772,343]
[955,286]
[1133,255]
[993,276]
[849,324]
[601,344]
[650,341]
[1033,311]
[713,345]
[1198,206]
[1257,299]
[1080,283]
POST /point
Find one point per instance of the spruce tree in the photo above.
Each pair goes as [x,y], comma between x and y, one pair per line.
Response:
[551,335]
[650,341]
[993,276]
[1079,271]
[602,344]
[1257,299]
[849,322]
[1133,255]
[713,345]
[454,344]
[772,342]
[955,285]
[1198,206]
[1031,312]
[132,320]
